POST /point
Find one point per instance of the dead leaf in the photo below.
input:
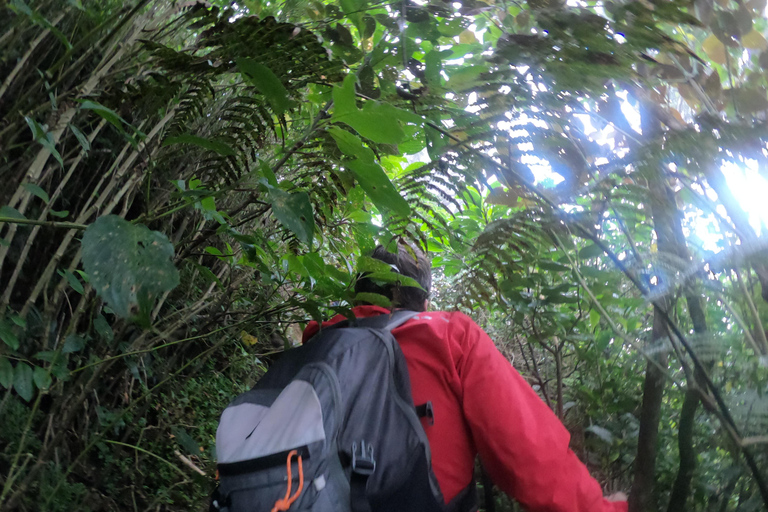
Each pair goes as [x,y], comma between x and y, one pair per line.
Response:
[715,49]
[713,87]
[248,339]
[763,60]
[676,114]
[505,197]
[502,145]
[703,10]
[744,20]
[754,41]
[669,72]
[467,37]
[523,18]
[689,95]
[750,100]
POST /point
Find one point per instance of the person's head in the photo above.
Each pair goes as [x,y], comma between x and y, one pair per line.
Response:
[409,261]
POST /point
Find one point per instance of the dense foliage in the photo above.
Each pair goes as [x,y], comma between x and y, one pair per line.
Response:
[188,183]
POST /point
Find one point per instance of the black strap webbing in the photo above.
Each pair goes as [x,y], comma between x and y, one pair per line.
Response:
[358,499]
[261,463]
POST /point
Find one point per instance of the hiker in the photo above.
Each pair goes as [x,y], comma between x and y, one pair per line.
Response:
[479,403]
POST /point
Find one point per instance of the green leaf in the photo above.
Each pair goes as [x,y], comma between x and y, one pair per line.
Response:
[6,373]
[466,77]
[42,378]
[350,144]
[373,298]
[368,26]
[73,343]
[268,173]
[267,83]
[103,329]
[11,213]
[105,113]
[81,138]
[37,191]
[7,334]
[552,266]
[129,265]
[372,123]
[367,264]
[344,97]
[294,211]
[377,186]
[49,356]
[214,251]
[22,381]
[211,145]
[600,432]
[393,277]
[45,138]
[62,214]
[73,281]
[186,441]
[434,66]
[351,6]
[590,251]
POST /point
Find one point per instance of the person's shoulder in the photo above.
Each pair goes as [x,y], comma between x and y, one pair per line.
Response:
[459,324]
[454,317]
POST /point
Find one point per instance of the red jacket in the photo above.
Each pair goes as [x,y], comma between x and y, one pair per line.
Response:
[482,405]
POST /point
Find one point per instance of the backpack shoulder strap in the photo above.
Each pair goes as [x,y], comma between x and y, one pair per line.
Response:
[386,322]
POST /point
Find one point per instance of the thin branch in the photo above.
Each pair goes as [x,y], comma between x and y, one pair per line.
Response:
[49,223]
[754,312]
[191,465]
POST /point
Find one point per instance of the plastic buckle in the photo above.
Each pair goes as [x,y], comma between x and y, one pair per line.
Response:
[363,463]
[430,413]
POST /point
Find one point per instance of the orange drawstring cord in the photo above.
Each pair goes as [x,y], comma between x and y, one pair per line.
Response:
[285,503]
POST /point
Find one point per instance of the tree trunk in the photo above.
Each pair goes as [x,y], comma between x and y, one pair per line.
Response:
[682,486]
[640,497]
[559,376]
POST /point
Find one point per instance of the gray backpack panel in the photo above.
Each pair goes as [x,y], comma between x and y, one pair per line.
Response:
[343,402]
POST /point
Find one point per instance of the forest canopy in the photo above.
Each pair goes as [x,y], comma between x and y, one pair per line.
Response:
[187,184]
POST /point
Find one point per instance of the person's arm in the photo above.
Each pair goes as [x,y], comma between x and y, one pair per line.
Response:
[521,442]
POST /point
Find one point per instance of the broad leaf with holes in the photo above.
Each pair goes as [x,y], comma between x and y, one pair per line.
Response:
[129,265]
[294,211]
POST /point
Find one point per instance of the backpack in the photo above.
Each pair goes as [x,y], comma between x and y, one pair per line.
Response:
[331,427]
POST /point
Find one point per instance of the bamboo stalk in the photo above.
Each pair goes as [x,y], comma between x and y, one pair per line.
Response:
[23,61]
[89,210]
[21,197]
[49,223]
[5,299]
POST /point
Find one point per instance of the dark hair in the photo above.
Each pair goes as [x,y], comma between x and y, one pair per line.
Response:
[409,261]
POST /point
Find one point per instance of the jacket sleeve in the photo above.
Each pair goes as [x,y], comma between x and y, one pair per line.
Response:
[520,440]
